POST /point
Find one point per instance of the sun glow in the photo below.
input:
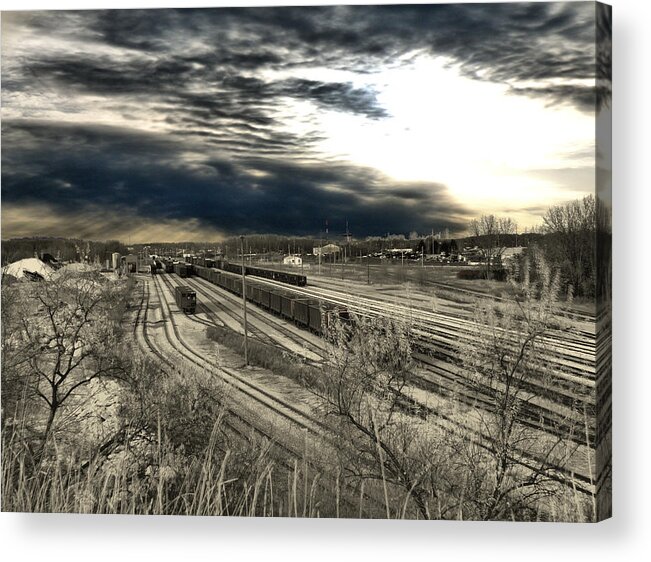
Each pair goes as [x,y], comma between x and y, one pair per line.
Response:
[486,144]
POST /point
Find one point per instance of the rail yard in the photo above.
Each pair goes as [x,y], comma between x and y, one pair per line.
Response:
[289,313]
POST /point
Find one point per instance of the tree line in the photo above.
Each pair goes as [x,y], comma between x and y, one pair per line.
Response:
[567,238]
[61,249]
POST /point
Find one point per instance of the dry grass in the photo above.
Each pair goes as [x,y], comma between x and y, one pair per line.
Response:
[279,362]
[162,481]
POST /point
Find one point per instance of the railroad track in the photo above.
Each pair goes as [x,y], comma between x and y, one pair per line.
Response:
[262,398]
[170,367]
[234,379]
[223,317]
[527,460]
[568,312]
[264,327]
[445,380]
[581,336]
[452,328]
[442,339]
[237,423]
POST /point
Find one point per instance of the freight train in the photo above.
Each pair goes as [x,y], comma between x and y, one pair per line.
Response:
[307,313]
[281,276]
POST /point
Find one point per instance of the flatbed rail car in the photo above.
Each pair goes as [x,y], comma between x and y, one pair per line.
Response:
[281,276]
[186,299]
[310,314]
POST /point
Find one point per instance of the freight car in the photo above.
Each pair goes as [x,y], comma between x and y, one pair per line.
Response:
[203,262]
[183,269]
[281,276]
[310,314]
[186,299]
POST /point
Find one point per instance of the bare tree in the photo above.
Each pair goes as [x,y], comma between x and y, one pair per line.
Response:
[507,352]
[488,232]
[369,364]
[571,243]
[64,335]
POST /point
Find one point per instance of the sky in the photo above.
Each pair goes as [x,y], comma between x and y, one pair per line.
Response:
[180,125]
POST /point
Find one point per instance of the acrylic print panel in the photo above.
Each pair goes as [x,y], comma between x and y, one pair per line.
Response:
[336,261]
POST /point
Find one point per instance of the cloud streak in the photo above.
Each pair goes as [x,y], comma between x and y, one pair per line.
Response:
[213,116]
[85,168]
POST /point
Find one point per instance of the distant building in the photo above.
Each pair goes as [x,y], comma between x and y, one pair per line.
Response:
[292,260]
[130,263]
[135,263]
[326,250]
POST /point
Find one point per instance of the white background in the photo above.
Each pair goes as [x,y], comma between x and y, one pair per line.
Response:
[624,537]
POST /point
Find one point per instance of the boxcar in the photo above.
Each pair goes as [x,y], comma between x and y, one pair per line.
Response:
[237,286]
[275,302]
[186,299]
[252,293]
[314,312]
[183,269]
[286,306]
[301,312]
[265,298]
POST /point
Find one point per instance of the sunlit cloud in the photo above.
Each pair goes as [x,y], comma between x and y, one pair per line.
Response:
[222,121]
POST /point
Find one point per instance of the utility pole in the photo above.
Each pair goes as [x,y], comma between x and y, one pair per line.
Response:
[368,269]
[246,336]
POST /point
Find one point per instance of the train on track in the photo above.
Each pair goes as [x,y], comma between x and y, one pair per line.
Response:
[186,299]
[184,269]
[307,313]
[274,275]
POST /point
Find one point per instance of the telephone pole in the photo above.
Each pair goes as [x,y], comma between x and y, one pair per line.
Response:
[246,336]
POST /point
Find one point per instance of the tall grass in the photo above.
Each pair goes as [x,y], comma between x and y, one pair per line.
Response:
[218,482]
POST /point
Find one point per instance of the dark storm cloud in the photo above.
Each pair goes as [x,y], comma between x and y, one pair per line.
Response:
[226,95]
[497,42]
[335,96]
[218,76]
[79,166]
